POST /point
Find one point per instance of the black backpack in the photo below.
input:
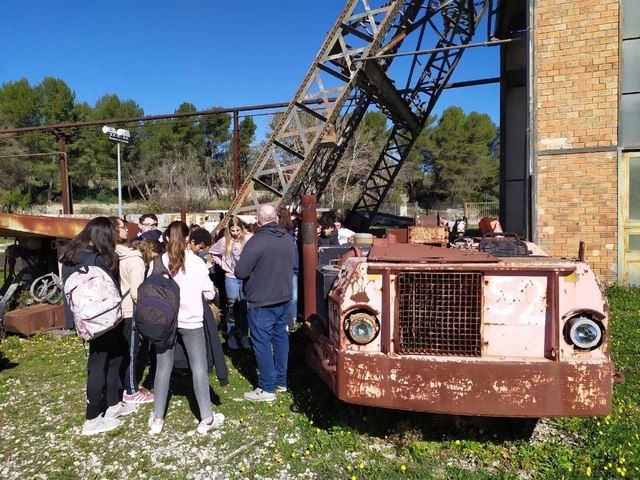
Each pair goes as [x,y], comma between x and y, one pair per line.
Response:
[156,314]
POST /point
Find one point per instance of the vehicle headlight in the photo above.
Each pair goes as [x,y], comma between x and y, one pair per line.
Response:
[583,332]
[361,327]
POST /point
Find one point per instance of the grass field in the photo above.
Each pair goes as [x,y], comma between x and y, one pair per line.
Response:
[306,433]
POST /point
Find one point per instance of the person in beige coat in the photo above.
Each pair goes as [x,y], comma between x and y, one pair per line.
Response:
[132,272]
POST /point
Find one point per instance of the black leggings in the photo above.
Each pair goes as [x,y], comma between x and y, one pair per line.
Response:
[135,359]
[103,366]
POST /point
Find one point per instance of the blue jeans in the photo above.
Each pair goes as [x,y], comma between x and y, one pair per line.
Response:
[270,344]
[236,307]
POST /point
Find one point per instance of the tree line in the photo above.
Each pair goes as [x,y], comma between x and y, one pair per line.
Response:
[189,160]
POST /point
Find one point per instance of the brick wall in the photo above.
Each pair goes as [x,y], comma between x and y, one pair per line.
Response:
[576,54]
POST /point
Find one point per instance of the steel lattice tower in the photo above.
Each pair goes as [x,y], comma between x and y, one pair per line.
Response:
[349,74]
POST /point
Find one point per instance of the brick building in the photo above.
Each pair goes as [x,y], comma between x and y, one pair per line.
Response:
[570,122]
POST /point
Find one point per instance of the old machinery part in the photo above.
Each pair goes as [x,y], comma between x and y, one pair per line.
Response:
[46,289]
[361,327]
[504,245]
[439,313]
[583,332]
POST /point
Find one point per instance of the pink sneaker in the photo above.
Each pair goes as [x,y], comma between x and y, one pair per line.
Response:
[141,396]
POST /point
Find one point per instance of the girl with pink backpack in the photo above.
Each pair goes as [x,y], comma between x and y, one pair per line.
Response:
[93,300]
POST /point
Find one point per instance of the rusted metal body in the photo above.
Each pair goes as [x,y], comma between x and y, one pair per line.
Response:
[464,332]
[12,225]
[37,318]
[433,235]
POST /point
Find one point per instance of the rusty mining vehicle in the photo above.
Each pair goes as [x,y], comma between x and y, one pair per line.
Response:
[495,327]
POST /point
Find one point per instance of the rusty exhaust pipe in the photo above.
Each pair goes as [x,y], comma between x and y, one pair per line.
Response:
[581,249]
[309,253]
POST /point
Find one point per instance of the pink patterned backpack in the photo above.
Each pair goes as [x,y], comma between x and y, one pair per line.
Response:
[94,300]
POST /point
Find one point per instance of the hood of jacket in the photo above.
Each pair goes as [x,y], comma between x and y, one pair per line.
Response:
[271,229]
[125,253]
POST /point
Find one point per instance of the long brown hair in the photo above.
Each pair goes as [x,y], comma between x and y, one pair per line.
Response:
[176,236]
[99,234]
[228,240]
[149,248]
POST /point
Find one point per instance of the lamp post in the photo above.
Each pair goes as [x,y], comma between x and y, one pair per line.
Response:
[119,136]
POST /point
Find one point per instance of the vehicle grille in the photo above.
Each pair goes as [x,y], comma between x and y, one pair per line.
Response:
[439,313]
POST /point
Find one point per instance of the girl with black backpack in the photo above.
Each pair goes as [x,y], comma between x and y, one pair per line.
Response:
[94,247]
[192,276]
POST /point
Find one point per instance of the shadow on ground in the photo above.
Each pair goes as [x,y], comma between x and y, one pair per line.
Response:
[5,363]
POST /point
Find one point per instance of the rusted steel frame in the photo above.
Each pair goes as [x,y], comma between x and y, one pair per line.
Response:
[436,73]
[290,119]
[524,270]
[309,253]
[427,384]
[385,334]
[40,225]
[150,118]
[67,206]
[490,43]
[236,153]
[553,302]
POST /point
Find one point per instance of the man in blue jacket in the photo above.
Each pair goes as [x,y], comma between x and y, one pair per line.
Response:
[265,265]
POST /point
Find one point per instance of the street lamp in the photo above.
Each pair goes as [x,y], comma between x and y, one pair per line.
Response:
[119,136]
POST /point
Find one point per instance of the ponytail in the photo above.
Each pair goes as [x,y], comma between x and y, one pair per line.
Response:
[176,236]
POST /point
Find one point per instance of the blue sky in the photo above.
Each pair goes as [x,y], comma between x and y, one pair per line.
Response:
[210,53]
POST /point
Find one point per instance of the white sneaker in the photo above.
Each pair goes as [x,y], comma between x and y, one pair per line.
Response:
[216,422]
[280,388]
[244,341]
[155,424]
[100,425]
[259,395]
[232,343]
[120,410]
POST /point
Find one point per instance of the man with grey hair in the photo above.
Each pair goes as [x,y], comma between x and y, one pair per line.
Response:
[265,265]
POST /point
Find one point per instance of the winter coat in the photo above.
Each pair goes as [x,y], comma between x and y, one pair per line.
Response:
[266,266]
[132,270]
[330,240]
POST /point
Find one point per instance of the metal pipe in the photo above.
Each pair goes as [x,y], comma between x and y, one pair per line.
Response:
[236,153]
[67,207]
[489,43]
[309,253]
[119,185]
[149,118]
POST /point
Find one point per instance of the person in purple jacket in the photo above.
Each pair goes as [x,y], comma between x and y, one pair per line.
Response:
[226,252]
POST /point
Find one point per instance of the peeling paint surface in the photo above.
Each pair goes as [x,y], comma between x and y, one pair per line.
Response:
[525,367]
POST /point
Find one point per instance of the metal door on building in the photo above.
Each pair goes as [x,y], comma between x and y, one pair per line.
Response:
[630,218]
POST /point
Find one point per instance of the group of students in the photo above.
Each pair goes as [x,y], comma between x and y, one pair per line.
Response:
[116,358]
[267,274]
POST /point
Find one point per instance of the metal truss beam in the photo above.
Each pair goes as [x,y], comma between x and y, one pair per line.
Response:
[306,146]
[299,136]
[459,19]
